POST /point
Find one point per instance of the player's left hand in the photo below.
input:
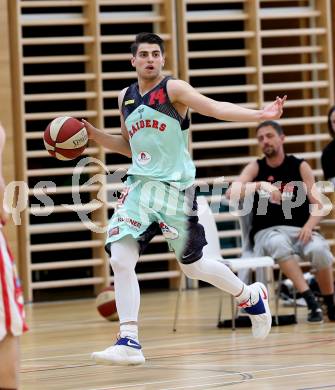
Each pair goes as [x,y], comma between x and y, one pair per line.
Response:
[305,234]
[274,110]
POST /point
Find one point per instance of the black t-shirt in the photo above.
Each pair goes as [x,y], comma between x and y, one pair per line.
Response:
[294,208]
[328,160]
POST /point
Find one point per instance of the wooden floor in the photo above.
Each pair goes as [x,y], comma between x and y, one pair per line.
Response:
[56,350]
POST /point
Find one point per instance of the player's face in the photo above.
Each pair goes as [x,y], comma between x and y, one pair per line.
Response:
[148,61]
[270,141]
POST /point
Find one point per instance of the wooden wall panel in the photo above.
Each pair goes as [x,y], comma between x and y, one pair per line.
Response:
[72,58]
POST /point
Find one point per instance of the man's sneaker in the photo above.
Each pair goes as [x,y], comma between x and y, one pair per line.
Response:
[124,352]
[257,307]
[315,315]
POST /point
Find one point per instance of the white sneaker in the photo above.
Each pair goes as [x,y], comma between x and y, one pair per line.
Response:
[124,352]
[257,307]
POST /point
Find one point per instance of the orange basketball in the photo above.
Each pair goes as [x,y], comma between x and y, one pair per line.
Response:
[65,138]
[106,305]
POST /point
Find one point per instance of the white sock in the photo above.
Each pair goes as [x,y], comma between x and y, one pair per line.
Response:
[248,297]
[245,295]
[129,330]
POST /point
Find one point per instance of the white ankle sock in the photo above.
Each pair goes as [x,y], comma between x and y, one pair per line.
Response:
[245,294]
[129,330]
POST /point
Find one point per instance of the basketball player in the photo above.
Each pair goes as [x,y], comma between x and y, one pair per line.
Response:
[155,122]
[12,323]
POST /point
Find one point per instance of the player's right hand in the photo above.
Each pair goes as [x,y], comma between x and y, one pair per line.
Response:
[89,128]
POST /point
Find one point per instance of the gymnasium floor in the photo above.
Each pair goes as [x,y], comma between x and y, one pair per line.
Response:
[56,351]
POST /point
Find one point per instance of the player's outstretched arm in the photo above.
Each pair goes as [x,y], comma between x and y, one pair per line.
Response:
[182,92]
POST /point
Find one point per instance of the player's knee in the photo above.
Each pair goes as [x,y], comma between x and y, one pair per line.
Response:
[193,250]
[118,264]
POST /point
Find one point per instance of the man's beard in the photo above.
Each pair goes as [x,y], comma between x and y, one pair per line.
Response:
[270,152]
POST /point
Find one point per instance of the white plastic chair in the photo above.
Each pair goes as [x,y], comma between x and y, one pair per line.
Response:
[212,251]
[245,222]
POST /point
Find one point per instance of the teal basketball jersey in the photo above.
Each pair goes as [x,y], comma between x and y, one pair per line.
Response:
[158,136]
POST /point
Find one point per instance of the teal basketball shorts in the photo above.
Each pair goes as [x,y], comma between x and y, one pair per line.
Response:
[149,207]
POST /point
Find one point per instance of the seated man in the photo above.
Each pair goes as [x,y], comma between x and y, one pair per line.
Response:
[285,212]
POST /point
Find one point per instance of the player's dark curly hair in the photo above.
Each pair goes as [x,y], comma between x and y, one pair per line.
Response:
[145,37]
[330,127]
[273,124]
